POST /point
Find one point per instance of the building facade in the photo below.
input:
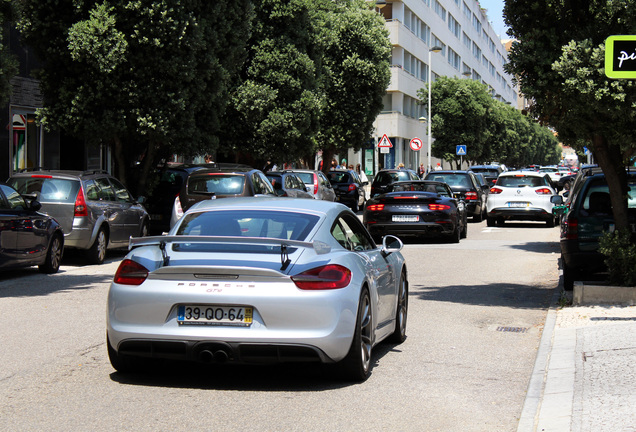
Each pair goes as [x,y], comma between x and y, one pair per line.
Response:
[470,49]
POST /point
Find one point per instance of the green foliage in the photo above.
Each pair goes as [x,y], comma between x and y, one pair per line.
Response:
[8,63]
[620,256]
[464,113]
[152,76]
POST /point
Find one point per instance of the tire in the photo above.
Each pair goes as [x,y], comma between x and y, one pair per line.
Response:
[53,256]
[464,232]
[491,221]
[144,229]
[478,217]
[97,252]
[569,275]
[456,235]
[401,313]
[356,207]
[550,222]
[356,366]
[124,364]
[501,222]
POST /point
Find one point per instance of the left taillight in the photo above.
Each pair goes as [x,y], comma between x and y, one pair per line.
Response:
[471,196]
[495,191]
[331,276]
[315,184]
[438,207]
[543,191]
[375,207]
[130,273]
[351,188]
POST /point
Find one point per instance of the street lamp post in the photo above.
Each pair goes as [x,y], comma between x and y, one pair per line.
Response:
[435,49]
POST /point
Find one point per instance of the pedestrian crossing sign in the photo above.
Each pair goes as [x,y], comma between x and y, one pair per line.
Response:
[385,142]
[461,150]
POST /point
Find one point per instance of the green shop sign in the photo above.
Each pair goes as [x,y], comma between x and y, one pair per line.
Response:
[620,56]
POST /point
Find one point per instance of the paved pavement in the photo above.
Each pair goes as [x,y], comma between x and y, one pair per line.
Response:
[584,379]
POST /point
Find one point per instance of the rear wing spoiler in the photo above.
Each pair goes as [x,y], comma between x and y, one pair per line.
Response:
[321,248]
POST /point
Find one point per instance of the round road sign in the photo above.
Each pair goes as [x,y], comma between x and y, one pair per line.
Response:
[416,144]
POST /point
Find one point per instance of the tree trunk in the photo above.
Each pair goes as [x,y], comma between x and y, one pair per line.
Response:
[146,166]
[120,169]
[327,156]
[609,158]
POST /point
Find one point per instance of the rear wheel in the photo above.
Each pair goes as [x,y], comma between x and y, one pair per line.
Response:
[399,335]
[491,221]
[456,235]
[479,216]
[356,366]
[53,256]
[550,222]
[464,231]
[97,252]
[569,275]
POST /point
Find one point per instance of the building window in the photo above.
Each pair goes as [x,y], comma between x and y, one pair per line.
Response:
[476,51]
[439,10]
[454,26]
[467,11]
[467,41]
[476,23]
[453,58]
[439,43]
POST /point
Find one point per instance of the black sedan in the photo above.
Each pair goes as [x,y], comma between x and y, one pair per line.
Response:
[417,208]
[27,238]
[349,188]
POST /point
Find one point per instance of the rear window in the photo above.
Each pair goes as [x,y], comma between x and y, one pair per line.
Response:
[486,172]
[217,184]
[420,187]
[245,223]
[307,178]
[384,178]
[521,181]
[49,190]
[339,177]
[597,198]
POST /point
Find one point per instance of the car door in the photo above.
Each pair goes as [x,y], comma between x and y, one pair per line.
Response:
[325,186]
[381,273]
[131,215]
[8,234]
[108,206]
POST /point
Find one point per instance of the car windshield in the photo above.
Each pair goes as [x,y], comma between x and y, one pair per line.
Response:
[339,177]
[217,184]
[244,223]
[48,189]
[521,181]
[461,180]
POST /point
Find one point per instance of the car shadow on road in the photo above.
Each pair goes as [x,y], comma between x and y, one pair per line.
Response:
[515,296]
[297,377]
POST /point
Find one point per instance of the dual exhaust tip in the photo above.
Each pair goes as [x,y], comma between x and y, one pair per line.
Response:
[214,353]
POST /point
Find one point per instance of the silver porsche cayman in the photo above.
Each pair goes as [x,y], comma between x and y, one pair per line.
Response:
[259,280]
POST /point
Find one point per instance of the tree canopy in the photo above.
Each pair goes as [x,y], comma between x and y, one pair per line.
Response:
[8,63]
[558,60]
[464,113]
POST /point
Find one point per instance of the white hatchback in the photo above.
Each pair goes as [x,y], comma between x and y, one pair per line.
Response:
[521,195]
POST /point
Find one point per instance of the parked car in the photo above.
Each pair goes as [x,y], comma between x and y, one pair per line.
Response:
[417,208]
[253,280]
[490,172]
[288,184]
[465,183]
[590,215]
[219,182]
[318,184]
[160,201]
[27,238]
[521,195]
[386,177]
[96,212]
[349,188]
[553,172]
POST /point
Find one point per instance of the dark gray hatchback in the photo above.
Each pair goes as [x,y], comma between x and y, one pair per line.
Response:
[96,212]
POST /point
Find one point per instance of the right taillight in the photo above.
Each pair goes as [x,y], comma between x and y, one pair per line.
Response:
[130,273]
[327,277]
[177,206]
[315,184]
[471,196]
[80,203]
[495,190]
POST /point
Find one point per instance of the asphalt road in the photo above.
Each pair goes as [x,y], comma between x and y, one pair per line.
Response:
[476,313]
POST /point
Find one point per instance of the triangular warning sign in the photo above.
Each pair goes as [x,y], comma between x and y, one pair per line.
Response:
[385,142]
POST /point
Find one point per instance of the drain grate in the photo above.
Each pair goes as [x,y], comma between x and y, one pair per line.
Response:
[512,329]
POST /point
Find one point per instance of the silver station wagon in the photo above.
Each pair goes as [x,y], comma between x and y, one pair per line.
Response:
[96,212]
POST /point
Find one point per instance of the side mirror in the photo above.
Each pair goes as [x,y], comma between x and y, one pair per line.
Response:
[556,199]
[391,244]
[307,188]
[141,199]
[35,205]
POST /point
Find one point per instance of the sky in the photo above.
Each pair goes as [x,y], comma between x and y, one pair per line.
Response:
[495,16]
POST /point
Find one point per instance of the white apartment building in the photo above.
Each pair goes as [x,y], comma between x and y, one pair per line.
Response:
[470,50]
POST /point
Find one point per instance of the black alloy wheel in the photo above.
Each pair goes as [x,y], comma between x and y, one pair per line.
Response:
[356,366]
[399,335]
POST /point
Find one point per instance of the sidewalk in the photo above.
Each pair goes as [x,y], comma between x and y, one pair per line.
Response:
[584,379]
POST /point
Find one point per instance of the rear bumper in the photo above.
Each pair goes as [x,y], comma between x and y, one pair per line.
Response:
[411,229]
[529,213]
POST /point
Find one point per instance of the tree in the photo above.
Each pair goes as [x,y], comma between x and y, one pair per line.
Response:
[149,77]
[558,62]
[354,77]
[8,63]
[461,116]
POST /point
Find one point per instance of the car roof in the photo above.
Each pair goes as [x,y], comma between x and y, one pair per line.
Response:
[69,174]
[496,167]
[450,172]
[523,173]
